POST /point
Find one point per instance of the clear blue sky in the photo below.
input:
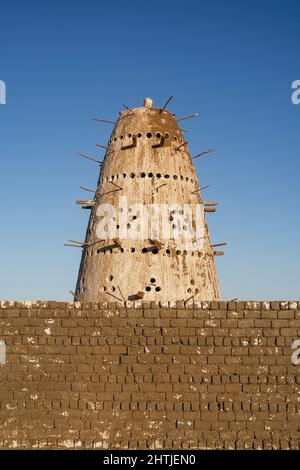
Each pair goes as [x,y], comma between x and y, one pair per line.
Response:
[232,61]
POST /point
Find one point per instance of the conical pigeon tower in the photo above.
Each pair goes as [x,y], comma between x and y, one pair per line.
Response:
[147,236]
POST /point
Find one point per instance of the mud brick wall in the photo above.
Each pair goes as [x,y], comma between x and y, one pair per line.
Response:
[210,375]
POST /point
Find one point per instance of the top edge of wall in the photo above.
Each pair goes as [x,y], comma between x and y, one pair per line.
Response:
[205,305]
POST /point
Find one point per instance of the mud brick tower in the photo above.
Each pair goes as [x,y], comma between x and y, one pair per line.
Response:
[147,163]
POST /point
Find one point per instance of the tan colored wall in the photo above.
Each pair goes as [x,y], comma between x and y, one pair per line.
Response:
[206,375]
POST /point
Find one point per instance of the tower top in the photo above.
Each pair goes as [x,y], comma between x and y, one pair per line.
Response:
[148,102]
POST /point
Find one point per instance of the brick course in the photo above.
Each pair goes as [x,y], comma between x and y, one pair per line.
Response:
[205,375]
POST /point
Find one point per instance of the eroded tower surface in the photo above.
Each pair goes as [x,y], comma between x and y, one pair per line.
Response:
[152,248]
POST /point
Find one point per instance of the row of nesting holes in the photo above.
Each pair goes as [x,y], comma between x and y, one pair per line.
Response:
[154,251]
[150,175]
[171,219]
[149,287]
[149,135]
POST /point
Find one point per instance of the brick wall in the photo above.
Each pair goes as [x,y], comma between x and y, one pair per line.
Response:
[210,375]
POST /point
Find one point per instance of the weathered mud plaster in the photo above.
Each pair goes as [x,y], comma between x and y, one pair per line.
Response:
[146,157]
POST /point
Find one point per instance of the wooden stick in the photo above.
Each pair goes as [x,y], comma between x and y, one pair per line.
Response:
[204,153]
[89,158]
[132,145]
[158,244]
[168,101]
[192,296]
[108,192]
[121,293]
[160,186]
[196,190]
[218,244]
[210,203]
[117,242]
[140,295]
[104,120]
[196,239]
[129,109]
[80,202]
[74,246]
[233,300]
[204,187]
[181,145]
[218,253]
[78,243]
[106,148]
[108,293]
[97,241]
[83,244]
[76,296]
[87,207]
[160,144]
[119,187]
[209,209]
[188,117]
[102,146]
[87,189]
